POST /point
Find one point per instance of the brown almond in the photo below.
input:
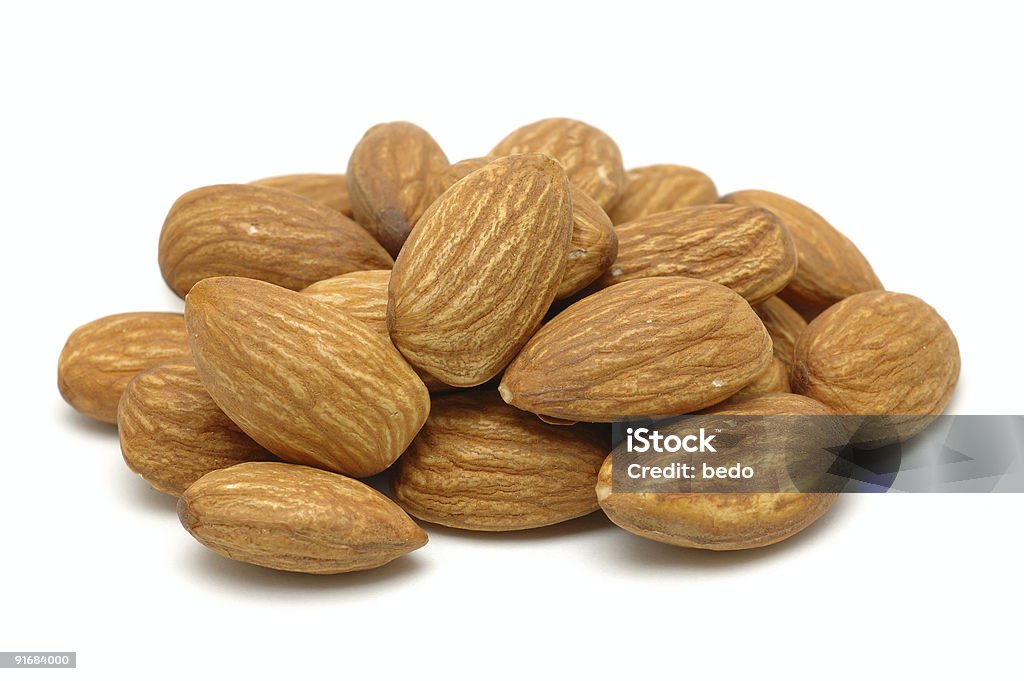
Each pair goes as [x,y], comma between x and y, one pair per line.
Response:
[658,188]
[262,233]
[172,432]
[296,518]
[310,383]
[100,358]
[501,233]
[830,266]
[391,180]
[746,249]
[591,158]
[330,189]
[784,325]
[774,379]
[879,354]
[479,464]
[651,347]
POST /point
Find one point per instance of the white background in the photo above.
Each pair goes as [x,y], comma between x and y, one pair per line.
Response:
[900,123]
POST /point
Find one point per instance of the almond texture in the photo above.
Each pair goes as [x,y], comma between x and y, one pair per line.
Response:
[784,325]
[657,188]
[297,519]
[262,233]
[100,358]
[310,383]
[330,189]
[479,464]
[502,234]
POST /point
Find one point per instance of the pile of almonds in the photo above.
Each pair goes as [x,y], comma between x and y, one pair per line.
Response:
[476,326]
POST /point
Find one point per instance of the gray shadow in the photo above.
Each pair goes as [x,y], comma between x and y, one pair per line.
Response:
[84,424]
[140,495]
[594,522]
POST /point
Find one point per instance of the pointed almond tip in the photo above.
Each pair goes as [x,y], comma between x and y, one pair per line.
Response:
[505,393]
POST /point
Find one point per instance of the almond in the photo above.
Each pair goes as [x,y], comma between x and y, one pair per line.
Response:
[651,347]
[593,246]
[262,233]
[879,354]
[784,325]
[391,180]
[723,521]
[746,249]
[658,188]
[172,432]
[774,379]
[830,266]
[364,295]
[297,519]
[100,358]
[481,268]
[591,158]
[308,382]
[330,189]
[479,464]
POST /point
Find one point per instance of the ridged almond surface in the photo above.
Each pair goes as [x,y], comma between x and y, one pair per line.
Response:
[364,295]
[724,521]
[784,325]
[330,189]
[652,347]
[391,180]
[479,464]
[830,266]
[172,432]
[590,157]
[746,249]
[296,518]
[594,243]
[481,268]
[879,353]
[100,358]
[263,233]
[774,379]
[658,188]
[305,380]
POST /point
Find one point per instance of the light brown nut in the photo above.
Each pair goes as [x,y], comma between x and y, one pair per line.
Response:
[594,243]
[774,379]
[882,354]
[479,464]
[481,268]
[830,266]
[784,325]
[296,518]
[172,432]
[263,233]
[392,179]
[746,249]
[364,295]
[305,380]
[591,158]
[100,358]
[330,189]
[658,188]
[652,347]
[724,521]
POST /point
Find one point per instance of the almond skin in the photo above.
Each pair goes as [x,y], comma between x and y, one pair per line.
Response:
[830,266]
[172,432]
[883,354]
[774,379]
[391,180]
[594,243]
[501,235]
[784,325]
[479,464]
[297,519]
[591,158]
[364,295]
[100,358]
[651,347]
[724,521]
[330,189]
[308,382]
[263,233]
[658,188]
[746,249]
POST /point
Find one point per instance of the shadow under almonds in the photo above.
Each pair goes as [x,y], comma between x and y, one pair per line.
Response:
[84,424]
[637,553]
[594,522]
[143,497]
